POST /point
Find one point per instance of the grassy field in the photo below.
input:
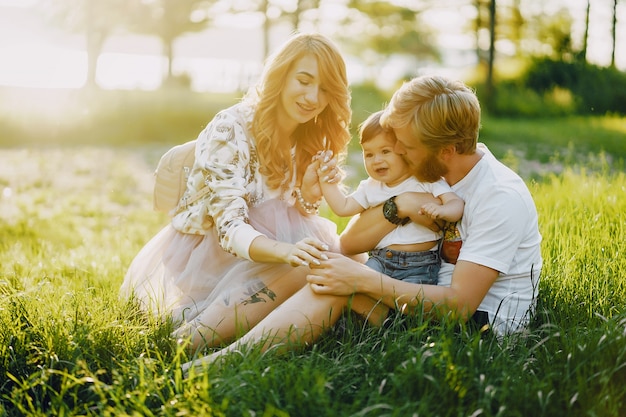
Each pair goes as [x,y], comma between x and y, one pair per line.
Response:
[72,218]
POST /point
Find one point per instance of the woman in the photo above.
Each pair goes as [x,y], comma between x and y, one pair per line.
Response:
[229,259]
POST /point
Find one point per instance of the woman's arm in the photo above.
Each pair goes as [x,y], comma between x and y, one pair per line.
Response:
[307,251]
[224,155]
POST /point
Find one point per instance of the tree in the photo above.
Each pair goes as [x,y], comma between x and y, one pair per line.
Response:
[262,8]
[388,28]
[614,33]
[556,33]
[485,23]
[168,20]
[96,19]
[492,53]
[583,53]
[376,30]
[274,12]
[302,7]
[479,25]
[517,23]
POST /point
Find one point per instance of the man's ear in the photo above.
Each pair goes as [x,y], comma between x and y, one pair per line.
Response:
[447,152]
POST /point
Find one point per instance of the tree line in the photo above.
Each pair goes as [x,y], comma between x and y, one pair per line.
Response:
[384,27]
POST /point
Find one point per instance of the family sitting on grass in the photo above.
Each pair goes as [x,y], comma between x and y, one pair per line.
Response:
[252,262]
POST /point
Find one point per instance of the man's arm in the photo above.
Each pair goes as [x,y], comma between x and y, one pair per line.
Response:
[364,231]
[342,276]
[410,205]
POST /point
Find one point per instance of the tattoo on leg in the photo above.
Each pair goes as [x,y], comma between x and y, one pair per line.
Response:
[257,295]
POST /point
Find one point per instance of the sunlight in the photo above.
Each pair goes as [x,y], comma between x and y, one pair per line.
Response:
[129,71]
[18,3]
[38,55]
[49,66]
[42,66]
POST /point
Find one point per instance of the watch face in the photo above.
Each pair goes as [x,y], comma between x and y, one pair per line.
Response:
[389,209]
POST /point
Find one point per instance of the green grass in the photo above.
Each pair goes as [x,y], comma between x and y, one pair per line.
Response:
[567,140]
[75,207]
[72,219]
[36,117]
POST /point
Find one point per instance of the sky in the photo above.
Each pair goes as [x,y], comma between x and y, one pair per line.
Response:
[220,59]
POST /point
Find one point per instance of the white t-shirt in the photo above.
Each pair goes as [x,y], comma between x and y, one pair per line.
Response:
[371,193]
[499,229]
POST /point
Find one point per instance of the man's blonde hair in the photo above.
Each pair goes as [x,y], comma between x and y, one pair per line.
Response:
[440,112]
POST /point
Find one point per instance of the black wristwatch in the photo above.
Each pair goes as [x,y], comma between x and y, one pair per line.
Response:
[390,211]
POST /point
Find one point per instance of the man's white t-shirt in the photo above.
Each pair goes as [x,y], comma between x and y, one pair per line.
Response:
[499,229]
[371,193]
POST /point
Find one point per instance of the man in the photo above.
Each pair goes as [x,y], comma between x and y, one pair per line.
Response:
[496,277]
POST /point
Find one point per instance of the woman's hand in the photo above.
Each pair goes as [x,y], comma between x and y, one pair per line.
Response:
[307,252]
[311,190]
[323,167]
[328,170]
[310,174]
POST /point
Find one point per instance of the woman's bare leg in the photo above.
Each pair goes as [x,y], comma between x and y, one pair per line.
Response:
[298,321]
[224,320]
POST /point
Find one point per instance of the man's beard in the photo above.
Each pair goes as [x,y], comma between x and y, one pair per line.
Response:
[431,169]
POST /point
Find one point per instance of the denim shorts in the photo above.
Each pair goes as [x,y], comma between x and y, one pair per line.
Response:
[417,267]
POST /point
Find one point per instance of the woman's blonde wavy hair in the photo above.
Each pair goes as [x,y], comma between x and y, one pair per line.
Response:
[441,112]
[329,130]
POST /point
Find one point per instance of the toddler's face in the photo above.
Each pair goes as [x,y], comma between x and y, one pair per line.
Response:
[382,163]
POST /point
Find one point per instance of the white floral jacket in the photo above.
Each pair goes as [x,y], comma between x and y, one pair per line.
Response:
[226,161]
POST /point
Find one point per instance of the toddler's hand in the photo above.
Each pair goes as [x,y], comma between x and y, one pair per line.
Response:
[434,211]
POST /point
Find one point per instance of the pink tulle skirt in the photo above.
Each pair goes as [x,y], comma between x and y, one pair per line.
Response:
[180,275]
